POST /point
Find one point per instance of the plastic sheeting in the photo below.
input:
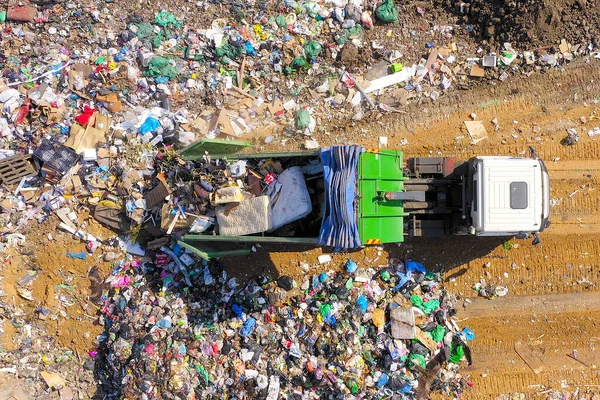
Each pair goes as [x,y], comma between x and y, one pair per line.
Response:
[339,227]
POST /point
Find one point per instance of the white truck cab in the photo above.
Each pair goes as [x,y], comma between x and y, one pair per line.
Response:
[511,196]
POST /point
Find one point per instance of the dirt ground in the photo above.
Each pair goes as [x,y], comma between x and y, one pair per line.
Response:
[553,305]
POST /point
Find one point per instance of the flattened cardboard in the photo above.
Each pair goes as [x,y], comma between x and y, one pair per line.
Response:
[110,101]
[81,139]
[476,131]
[477,71]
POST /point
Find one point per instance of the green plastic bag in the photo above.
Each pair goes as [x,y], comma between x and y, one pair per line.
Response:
[160,66]
[312,49]
[165,18]
[386,11]
[456,353]
[156,41]
[143,30]
[416,301]
[228,50]
[203,373]
[2,16]
[299,62]
[302,119]
[418,358]
[437,334]
[349,34]
[324,309]
[430,306]
[280,21]
[197,57]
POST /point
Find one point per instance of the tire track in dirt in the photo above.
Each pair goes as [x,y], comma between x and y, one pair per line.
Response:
[557,265]
[551,326]
[575,199]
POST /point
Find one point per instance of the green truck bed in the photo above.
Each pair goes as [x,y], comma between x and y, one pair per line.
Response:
[379,220]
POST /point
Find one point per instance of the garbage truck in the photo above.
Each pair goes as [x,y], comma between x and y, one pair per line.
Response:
[350,196]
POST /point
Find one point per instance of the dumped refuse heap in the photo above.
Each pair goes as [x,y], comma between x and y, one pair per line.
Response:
[249,196]
[358,333]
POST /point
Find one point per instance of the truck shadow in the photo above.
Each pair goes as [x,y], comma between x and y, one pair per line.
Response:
[446,254]
[452,255]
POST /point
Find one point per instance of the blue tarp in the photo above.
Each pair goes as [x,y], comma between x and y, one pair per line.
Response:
[339,227]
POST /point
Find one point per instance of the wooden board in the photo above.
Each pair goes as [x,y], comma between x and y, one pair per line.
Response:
[531,359]
[425,339]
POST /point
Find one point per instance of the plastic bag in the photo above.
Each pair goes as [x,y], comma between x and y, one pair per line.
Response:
[228,50]
[150,125]
[312,49]
[160,66]
[437,334]
[156,41]
[302,119]
[83,118]
[349,34]
[456,353]
[144,30]
[165,18]
[418,358]
[200,225]
[386,11]
[299,62]
[280,21]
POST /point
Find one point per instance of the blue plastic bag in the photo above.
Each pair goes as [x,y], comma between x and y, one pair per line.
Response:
[469,334]
[151,124]
[249,49]
[323,277]
[412,266]
[237,309]
[177,249]
[351,266]
[81,255]
[383,380]
[248,327]
[362,303]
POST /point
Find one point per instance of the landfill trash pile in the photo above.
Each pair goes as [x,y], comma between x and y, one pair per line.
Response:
[365,331]
[98,100]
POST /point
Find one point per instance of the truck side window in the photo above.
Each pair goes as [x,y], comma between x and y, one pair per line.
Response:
[518,195]
[474,195]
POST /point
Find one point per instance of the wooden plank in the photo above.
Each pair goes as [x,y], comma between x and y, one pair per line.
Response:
[531,359]
[425,339]
[587,358]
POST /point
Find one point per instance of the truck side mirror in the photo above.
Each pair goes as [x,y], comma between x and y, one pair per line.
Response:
[532,152]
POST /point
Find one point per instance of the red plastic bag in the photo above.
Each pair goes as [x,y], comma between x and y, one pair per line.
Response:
[84,118]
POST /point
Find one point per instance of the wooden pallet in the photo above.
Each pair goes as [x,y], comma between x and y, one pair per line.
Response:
[15,168]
